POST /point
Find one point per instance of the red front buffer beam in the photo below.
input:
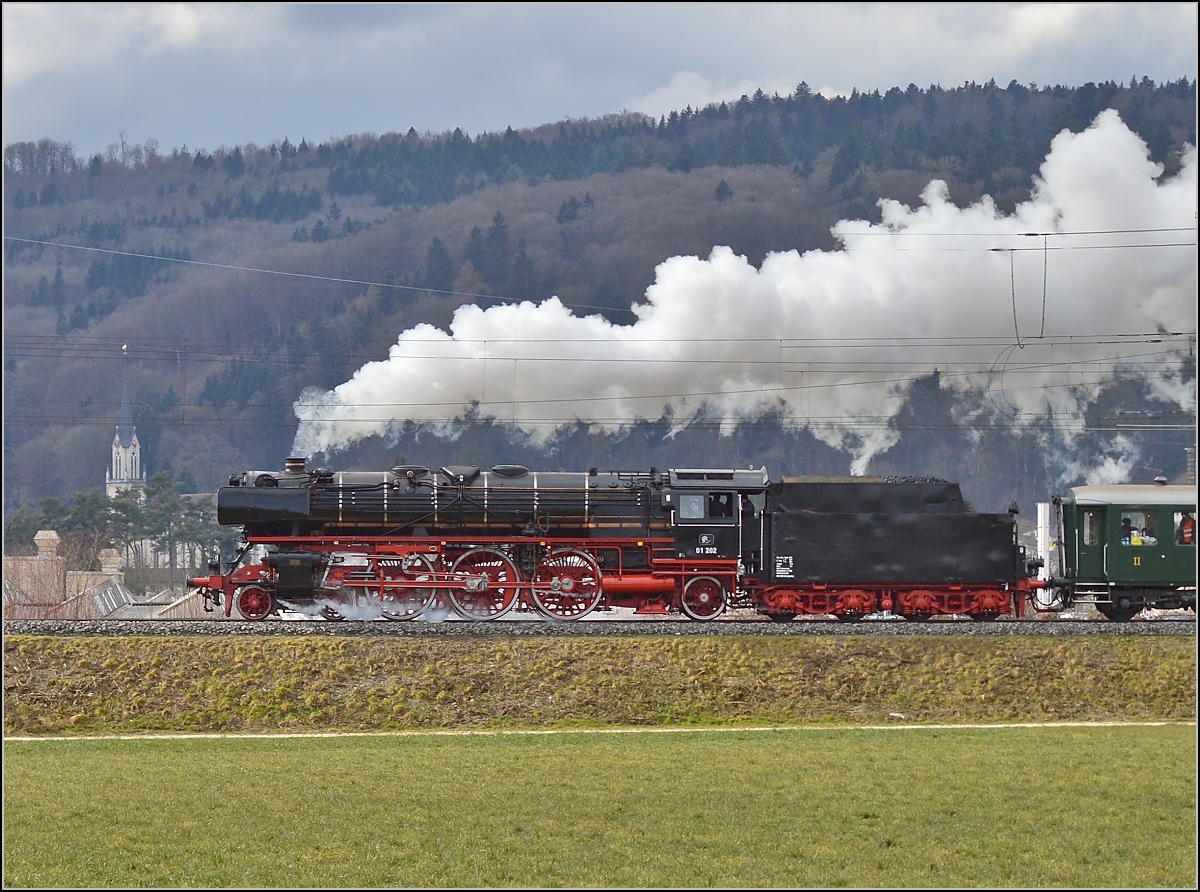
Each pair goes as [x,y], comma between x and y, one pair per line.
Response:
[211,590]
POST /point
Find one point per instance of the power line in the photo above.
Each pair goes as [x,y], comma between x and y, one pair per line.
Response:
[90,343]
[492,297]
[1071,232]
[465,405]
[794,423]
[275,272]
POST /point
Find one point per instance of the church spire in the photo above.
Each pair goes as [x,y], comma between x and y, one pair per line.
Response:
[125,428]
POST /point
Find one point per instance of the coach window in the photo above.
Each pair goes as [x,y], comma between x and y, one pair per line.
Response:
[1139,528]
[1185,528]
[1091,527]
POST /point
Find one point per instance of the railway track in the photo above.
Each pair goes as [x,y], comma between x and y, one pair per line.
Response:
[602,627]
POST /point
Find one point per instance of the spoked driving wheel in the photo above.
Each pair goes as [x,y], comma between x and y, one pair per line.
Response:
[253,602]
[566,585]
[703,598]
[410,602]
[491,584]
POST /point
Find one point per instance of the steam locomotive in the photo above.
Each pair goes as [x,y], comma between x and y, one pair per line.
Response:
[413,542]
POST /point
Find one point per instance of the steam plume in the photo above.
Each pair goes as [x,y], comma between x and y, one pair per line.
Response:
[1033,311]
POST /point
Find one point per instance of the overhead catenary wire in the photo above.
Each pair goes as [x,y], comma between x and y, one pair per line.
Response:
[15,417]
[475,296]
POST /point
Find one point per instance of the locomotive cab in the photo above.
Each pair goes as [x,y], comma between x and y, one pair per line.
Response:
[716,513]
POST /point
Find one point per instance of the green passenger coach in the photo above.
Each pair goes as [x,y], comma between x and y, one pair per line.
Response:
[1127,547]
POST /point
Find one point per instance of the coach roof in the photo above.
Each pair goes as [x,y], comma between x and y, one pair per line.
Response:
[1132,494]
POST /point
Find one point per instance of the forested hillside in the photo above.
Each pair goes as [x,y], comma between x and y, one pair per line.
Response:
[240,276]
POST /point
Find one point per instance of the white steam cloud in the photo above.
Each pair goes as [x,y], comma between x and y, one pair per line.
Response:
[1094,277]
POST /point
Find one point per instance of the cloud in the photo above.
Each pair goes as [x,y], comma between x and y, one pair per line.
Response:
[208,74]
[690,88]
[100,39]
[832,340]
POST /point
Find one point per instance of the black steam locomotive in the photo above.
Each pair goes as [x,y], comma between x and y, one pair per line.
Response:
[412,542]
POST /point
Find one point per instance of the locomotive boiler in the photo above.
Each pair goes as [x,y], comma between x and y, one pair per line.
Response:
[414,542]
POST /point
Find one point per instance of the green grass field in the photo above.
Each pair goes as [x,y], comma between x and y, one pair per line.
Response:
[1008,807]
[539,762]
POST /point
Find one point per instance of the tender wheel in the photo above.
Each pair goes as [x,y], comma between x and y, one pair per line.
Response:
[918,617]
[849,617]
[567,585]
[497,580]
[253,602]
[409,603]
[781,617]
[703,598]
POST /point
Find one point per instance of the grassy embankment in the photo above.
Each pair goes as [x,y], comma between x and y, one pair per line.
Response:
[82,686]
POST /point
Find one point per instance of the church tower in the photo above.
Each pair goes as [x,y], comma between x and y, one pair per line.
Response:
[125,471]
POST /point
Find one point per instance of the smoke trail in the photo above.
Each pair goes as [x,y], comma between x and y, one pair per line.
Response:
[1031,312]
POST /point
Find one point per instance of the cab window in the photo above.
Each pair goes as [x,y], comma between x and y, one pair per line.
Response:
[692,507]
[720,504]
[703,506]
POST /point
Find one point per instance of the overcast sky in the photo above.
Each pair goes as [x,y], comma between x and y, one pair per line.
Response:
[209,75]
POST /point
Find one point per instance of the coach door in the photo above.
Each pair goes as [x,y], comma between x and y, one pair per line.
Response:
[1090,544]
